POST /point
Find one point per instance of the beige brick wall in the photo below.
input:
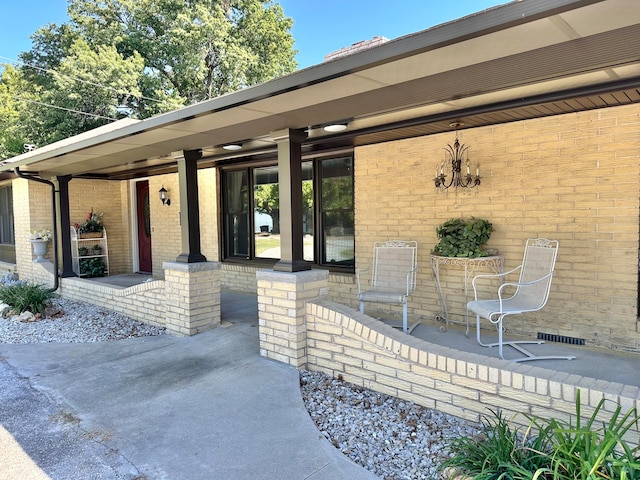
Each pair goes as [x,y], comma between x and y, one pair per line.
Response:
[166,243]
[165,220]
[145,302]
[31,211]
[343,342]
[574,178]
[112,199]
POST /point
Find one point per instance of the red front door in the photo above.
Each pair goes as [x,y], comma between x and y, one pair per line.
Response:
[144,227]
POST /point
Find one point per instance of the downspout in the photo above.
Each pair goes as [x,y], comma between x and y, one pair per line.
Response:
[56,281]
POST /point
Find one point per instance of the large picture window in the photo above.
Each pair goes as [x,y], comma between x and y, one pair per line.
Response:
[252,215]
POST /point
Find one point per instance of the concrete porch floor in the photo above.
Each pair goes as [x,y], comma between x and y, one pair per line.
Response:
[598,363]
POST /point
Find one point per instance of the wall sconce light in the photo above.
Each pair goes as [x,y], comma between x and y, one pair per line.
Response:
[335,127]
[455,154]
[163,196]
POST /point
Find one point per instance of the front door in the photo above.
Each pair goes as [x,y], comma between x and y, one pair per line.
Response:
[144,227]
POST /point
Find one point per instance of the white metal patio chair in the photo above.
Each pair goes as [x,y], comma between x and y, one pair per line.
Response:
[393,276]
[531,294]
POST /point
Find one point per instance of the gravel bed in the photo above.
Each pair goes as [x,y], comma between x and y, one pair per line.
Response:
[392,438]
[69,321]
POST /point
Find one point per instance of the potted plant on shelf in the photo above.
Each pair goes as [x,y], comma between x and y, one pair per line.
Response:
[92,267]
[83,251]
[97,249]
[92,227]
[463,238]
[40,241]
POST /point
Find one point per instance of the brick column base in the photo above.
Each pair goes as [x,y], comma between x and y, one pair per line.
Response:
[281,312]
[193,297]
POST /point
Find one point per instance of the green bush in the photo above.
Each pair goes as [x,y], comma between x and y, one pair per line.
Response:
[92,267]
[559,450]
[463,238]
[23,296]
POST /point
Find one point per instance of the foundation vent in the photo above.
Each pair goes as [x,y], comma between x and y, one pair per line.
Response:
[550,337]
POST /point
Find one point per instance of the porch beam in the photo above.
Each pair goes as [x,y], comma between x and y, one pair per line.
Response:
[189,207]
[289,143]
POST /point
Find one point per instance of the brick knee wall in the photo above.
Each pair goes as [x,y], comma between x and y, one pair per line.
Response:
[366,352]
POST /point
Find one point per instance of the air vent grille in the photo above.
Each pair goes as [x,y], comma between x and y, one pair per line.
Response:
[550,337]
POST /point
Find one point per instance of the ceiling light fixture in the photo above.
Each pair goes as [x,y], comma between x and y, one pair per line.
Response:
[232,146]
[335,127]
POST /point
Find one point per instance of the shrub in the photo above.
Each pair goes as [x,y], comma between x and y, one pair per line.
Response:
[560,450]
[501,451]
[463,238]
[92,267]
[23,296]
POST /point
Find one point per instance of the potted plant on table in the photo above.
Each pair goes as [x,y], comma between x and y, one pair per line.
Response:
[463,238]
[92,227]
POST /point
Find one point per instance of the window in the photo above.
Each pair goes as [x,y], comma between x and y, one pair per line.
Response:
[7,236]
[337,212]
[252,221]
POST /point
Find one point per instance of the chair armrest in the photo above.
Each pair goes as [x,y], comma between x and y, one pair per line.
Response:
[490,275]
[521,284]
[410,276]
[358,272]
[518,285]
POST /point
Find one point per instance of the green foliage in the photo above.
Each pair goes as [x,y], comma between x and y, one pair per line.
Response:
[589,451]
[560,450]
[93,223]
[23,296]
[138,58]
[92,267]
[501,451]
[463,238]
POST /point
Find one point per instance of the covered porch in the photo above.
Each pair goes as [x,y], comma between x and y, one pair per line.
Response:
[547,91]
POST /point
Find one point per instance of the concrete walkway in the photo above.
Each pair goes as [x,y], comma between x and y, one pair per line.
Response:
[203,407]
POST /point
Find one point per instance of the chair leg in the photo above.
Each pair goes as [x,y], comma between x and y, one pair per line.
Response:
[405,327]
[515,344]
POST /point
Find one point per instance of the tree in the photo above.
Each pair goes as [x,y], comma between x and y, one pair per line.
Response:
[139,58]
[16,119]
[193,50]
[266,199]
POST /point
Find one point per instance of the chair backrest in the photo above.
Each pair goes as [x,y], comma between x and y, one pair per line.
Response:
[394,266]
[539,260]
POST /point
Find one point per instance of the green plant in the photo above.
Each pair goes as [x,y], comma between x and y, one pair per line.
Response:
[97,249]
[501,451]
[588,451]
[23,296]
[463,238]
[93,223]
[559,450]
[92,267]
[82,250]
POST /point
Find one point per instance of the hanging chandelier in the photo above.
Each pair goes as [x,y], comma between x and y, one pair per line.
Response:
[456,153]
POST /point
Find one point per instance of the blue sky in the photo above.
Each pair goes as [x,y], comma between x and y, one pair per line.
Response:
[320,26]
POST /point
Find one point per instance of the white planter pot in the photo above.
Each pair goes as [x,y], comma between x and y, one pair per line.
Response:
[40,249]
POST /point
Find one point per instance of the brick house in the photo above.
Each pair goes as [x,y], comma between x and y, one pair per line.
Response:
[548,93]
